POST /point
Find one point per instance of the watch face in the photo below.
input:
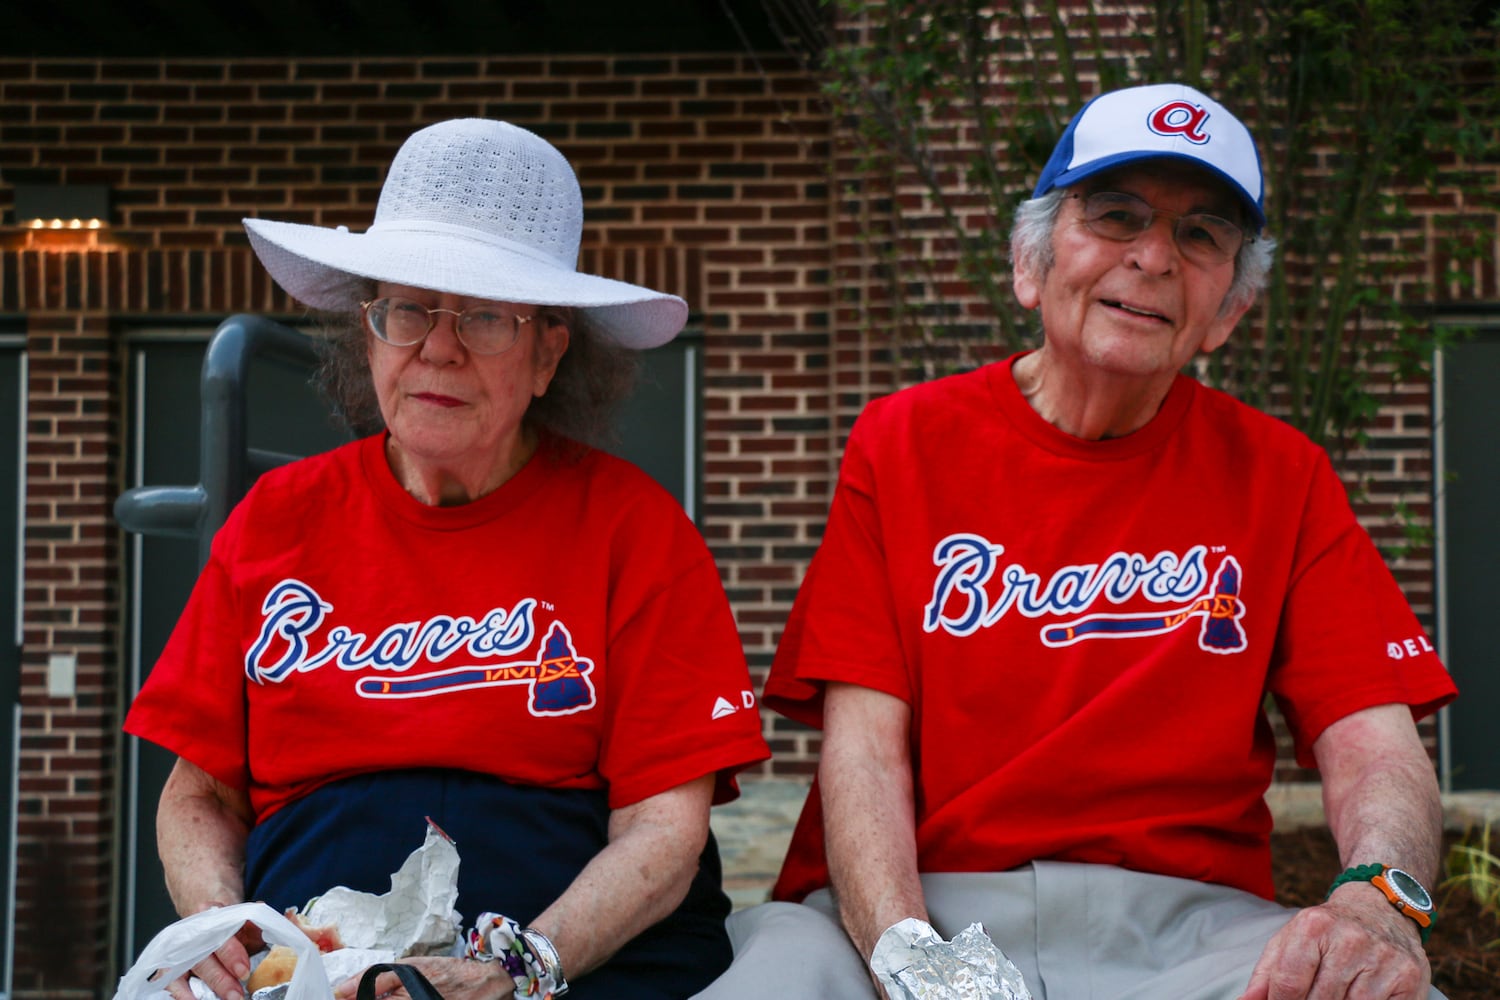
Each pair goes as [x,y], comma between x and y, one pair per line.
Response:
[1409,889]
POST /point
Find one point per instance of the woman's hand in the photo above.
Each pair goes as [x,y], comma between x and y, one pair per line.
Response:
[225,970]
[454,978]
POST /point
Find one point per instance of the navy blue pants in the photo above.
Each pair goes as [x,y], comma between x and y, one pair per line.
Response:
[519,848]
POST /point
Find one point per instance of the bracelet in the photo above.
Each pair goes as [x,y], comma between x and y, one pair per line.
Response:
[528,955]
[547,952]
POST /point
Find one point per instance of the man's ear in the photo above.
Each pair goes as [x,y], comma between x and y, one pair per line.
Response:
[1223,325]
[1028,287]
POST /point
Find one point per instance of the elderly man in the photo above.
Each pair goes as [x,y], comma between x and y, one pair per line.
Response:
[1051,600]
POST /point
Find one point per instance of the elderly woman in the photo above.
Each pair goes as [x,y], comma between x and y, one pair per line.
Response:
[471,615]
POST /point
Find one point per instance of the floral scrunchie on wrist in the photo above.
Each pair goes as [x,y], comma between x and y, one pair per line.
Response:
[527,955]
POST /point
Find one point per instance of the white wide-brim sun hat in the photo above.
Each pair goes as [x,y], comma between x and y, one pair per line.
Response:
[477,208]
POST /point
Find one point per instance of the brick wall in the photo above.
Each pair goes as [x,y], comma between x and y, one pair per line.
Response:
[69,607]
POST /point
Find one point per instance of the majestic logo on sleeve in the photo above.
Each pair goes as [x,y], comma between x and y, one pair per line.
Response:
[556,677]
[968,595]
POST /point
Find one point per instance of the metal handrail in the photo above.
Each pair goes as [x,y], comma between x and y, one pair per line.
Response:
[226,463]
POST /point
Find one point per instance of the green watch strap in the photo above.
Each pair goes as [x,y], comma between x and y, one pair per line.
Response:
[1359,873]
[1365,873]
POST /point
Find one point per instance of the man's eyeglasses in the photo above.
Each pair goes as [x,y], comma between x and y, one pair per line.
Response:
[406,323]
[1201,237]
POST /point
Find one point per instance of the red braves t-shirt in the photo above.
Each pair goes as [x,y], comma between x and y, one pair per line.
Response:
[1086,630]
[568,630]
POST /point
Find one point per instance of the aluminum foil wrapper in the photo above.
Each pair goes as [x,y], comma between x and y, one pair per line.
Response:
[913,962]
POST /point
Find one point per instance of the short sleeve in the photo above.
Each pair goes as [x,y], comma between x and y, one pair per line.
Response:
[843,625]
[679,699]
[1348,639]
[193,701]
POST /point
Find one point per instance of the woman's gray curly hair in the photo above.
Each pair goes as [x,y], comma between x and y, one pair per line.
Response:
[593,378]
[1031,249]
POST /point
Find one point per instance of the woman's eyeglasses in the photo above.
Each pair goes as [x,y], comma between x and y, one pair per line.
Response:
[406,323]
[1201,237]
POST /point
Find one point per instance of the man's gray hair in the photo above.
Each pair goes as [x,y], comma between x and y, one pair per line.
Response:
[1031,249]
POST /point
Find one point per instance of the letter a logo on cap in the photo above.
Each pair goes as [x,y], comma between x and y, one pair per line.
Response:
[1180,118]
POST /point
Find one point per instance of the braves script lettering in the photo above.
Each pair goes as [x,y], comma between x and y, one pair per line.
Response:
[967,596]
[294,613]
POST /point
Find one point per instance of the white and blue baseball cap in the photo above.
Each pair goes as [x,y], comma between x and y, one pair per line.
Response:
[1161,121]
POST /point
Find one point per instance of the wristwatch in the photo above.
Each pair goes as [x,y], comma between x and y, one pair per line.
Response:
[1401,888]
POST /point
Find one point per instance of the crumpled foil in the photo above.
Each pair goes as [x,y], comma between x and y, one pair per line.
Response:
[913,962]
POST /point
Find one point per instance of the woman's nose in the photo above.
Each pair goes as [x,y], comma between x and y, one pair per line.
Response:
[442,345]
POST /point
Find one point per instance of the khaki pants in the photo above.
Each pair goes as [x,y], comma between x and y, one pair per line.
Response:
[1076,932]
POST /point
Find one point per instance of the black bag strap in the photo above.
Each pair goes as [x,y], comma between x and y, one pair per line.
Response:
[417,986]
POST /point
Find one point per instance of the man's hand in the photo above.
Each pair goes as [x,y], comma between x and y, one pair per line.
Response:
[454,978]
[1355,945]
[1382,802]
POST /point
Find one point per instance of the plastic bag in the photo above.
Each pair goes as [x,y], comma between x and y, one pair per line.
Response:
[182,945]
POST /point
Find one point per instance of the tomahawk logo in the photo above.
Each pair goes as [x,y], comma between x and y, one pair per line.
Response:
[1179,118]
[558,679]
[1220,611]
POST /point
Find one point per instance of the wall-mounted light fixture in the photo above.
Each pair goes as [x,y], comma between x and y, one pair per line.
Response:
[61,206]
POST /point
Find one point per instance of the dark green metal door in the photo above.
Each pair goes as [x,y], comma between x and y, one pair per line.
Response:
[1468,511]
